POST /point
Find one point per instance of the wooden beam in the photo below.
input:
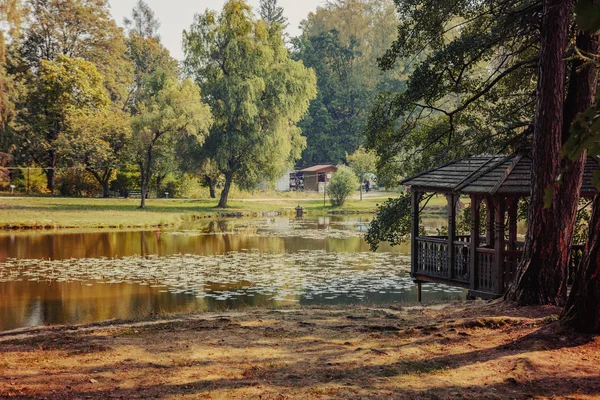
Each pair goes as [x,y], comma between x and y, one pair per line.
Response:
[414,249]
[475,216]
[499,246]
[451,198]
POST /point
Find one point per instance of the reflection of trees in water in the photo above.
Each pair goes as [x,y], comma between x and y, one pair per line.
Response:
[59,303]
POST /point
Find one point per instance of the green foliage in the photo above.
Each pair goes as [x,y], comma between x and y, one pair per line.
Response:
[61,88]
[342,42]
[98,140]
[472,90]
[76,182]
[256,93]
[128,178]
[272,13]
[143,22]
[343,183]
[392,223]
[36,179]
[170,110]
[362,162]
[78,29]
[148,56]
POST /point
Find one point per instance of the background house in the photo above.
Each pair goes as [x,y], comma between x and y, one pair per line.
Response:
[312,178]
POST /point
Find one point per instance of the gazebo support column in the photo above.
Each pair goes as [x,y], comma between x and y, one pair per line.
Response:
[451,233]
[499,246]
[489,226]
[414,245]
[475,215]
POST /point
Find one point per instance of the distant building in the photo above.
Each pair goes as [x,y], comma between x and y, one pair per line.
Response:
[282,184]
[312,178]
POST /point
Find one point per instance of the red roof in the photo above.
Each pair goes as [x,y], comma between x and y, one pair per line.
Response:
[319,168]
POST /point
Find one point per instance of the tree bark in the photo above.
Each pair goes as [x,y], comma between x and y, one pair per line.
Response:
[50,172]
[583,307]
[538,279]
[225,191]
[211,186]
[50,175]
[103,180]
[580,96]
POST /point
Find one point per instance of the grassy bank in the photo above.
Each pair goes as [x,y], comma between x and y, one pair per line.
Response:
[52,212]
[459,350]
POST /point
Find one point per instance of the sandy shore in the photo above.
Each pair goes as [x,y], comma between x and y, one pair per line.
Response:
[457,350]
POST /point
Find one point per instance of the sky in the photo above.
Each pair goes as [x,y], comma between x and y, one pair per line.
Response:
[177,15]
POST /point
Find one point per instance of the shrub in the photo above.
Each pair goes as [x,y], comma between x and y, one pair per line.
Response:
[342,184]
[77,182]
[37,181]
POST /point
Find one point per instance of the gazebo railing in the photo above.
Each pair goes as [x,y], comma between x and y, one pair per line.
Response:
[484,269]
[432,256]
[433,260]
[462,261]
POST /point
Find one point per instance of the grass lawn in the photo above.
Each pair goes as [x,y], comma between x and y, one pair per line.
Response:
[55,212]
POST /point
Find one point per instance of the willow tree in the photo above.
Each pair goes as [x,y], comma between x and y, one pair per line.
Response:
[257,94]
[168,111]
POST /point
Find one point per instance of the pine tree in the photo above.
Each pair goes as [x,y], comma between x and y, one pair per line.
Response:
[272,13]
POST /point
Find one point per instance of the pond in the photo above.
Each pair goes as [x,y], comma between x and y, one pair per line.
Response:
[79,277]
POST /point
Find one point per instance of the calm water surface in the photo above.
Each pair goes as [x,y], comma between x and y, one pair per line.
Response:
[80,277]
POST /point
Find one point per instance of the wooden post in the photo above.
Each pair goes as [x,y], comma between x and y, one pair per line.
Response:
[499,246]
[419,295]
[489,227]
[475,216]
[451,233]
[414,248]
[512,223]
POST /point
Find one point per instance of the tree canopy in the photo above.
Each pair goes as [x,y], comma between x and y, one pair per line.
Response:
[341,42]
[257,94]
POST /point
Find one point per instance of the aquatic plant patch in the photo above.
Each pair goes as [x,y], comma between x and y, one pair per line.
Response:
[284,276]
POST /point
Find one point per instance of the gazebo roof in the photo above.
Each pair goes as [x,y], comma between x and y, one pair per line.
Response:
[490,174]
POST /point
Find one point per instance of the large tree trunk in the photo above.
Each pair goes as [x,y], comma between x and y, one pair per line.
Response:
[225,192]
[103,180]
[580,96]
[50,175]
[211,186]
[583,307]
[538,279]
[105,189]
[159,181]
[145,183]
[50,172]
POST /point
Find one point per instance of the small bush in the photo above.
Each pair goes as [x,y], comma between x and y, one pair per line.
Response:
[77,182]
[342,184]
[37,181]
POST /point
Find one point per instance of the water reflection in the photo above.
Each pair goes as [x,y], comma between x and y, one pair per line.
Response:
[210,238]
[310,261]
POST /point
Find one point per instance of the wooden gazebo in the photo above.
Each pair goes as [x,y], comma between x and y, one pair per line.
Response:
[483,262]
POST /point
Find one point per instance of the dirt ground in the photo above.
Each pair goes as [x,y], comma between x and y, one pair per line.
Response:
[458,350]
